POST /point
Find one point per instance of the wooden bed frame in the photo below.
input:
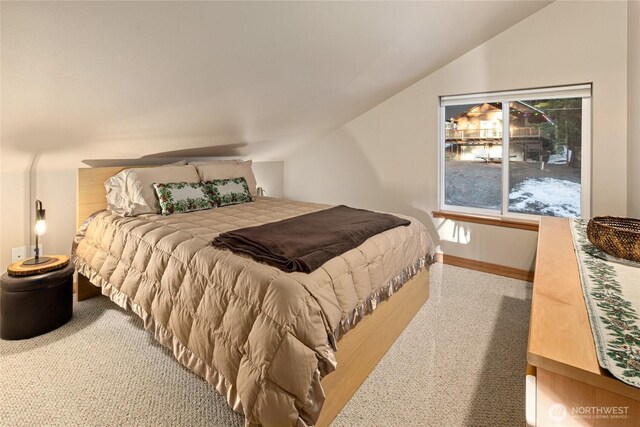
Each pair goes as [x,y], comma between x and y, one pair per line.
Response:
[561,346]
[360,350]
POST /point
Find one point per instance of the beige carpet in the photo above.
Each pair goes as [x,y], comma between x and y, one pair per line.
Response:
[460,362]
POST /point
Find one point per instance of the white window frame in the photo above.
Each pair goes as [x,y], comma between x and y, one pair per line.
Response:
[574,91]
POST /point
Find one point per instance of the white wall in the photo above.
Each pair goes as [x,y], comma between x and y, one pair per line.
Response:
[387,158]
[633,82]
[270,176]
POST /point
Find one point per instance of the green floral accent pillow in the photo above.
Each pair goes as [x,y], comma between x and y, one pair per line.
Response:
[228,191]
[181,197]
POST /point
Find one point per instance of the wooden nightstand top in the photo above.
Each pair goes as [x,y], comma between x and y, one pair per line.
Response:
[55,263]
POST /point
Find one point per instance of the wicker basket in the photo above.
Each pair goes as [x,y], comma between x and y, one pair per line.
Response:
[616,236]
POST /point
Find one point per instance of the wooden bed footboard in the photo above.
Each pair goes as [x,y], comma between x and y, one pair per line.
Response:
[360,350]
[85,289]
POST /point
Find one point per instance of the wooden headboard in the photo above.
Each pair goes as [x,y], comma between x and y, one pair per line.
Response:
[91,194]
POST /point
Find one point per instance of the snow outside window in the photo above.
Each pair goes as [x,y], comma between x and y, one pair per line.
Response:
[520,153]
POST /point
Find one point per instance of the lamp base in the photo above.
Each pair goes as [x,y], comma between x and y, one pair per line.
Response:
[36,261]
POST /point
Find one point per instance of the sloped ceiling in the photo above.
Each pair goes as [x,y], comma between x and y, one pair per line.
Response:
[153,77]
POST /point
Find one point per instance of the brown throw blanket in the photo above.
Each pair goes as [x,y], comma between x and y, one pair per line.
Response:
[305,242]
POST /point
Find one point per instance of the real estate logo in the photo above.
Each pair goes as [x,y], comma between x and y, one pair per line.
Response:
[557,412]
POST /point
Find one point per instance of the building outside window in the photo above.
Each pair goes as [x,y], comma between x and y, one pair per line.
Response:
[518,153]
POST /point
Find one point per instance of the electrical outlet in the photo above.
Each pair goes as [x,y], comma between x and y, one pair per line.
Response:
[18,254]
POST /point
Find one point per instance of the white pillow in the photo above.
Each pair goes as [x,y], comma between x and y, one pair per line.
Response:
[227,169]
[131,192]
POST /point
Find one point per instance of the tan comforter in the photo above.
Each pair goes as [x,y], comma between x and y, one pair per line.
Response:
[262,337]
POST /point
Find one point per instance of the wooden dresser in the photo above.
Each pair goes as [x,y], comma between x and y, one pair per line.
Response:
[570,388]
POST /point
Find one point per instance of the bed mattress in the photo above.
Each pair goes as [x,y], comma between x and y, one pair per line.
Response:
[264,338]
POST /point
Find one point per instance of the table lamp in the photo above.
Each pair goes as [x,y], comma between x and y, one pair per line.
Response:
[39,229]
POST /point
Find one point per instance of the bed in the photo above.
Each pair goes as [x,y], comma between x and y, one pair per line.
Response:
[265,339]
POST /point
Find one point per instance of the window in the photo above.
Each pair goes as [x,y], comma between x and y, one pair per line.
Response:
[517,154]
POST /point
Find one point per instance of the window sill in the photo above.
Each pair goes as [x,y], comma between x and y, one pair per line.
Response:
[521,224]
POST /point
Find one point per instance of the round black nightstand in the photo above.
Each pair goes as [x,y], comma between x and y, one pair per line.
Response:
[34,305]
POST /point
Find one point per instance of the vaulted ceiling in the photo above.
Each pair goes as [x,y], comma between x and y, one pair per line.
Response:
[150,77]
